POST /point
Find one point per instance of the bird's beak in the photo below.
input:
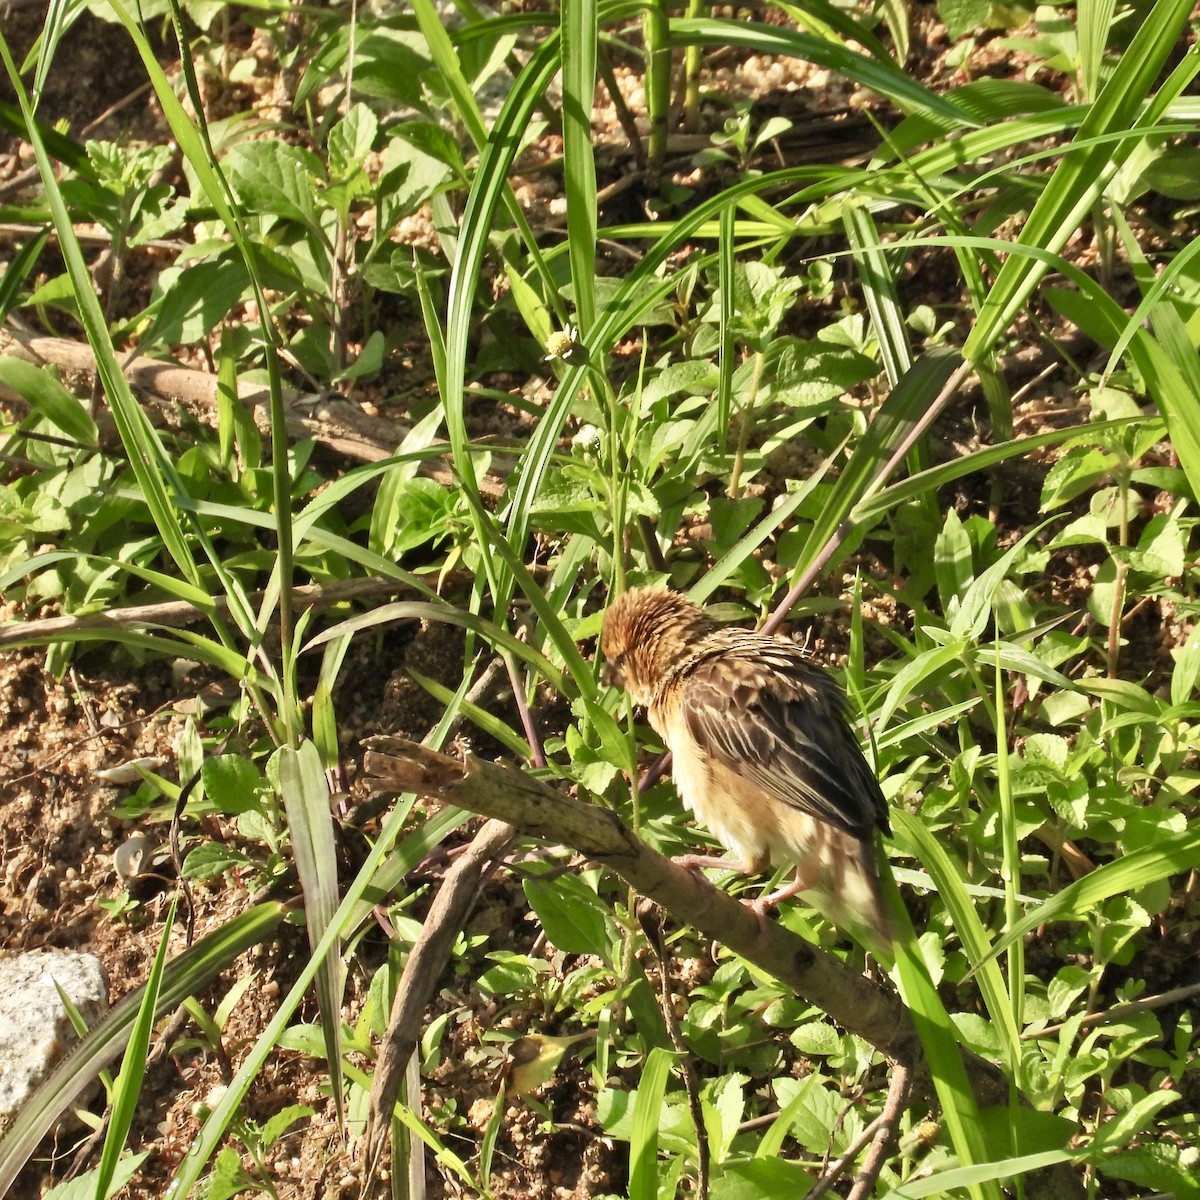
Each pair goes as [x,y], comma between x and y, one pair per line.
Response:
[610,676]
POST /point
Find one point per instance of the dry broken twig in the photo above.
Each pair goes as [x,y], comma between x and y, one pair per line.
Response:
[178,614]
[505,793]
[326,417]
[446,917]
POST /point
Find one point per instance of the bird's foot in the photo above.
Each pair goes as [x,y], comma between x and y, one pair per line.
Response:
[761,908]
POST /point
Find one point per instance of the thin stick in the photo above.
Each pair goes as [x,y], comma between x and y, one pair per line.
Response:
[650,918]
[885,1135]
[426,961]
[844,530]
[858,1004]
[837,1169]
[177,614]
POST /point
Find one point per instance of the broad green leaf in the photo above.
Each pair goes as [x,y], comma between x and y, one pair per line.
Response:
[573,916]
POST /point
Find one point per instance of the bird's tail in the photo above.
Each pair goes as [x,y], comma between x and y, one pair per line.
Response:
[848,892]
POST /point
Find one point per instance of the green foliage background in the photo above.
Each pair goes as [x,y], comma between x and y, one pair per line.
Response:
[784,401]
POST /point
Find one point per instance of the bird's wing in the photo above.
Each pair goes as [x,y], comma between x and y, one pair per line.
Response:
[764,712]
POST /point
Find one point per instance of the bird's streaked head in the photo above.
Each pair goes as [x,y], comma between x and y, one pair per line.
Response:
[646,631]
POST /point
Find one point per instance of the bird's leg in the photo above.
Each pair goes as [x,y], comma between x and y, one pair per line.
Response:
[802,881]
[696,862]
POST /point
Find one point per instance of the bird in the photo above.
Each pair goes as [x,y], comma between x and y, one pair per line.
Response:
[762,752]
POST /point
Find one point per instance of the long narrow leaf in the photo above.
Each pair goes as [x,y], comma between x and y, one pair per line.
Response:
[128,1087]
[206,1142]
[647,1116]
[940,1043]
[948,880]
[579,29]
[149,460]
[306,801]
[882,77]
[1085,170]
[1175,854]
[402,610]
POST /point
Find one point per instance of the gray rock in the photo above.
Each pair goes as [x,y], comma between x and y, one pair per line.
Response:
[35,1031]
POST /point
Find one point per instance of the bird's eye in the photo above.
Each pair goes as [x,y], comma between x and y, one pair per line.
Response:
[613,673]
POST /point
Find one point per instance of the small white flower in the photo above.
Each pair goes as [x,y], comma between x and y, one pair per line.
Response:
[562,345]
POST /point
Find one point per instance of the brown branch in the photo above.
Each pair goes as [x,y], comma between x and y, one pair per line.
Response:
[332,421]
[836,1170]
[649,916]
[523,804]
[426,960]
[885,1135]
[178,614]
[507,794]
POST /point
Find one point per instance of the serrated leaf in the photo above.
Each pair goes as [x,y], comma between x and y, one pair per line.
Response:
[351,139]
[962,16]
[277,179]
[232,783]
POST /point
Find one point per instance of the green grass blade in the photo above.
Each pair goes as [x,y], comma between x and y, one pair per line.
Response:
[1172,373]
[879,291]
[173,643]
[491,180]
[492,725]
[1010,841]
[947,1183]
[20,265]
[306,801]
[1162,285]
[552,626]
[745,546]
[1175,854]
[128,1086]
[151,466]
[407,610]
[940,1041]
[579,30]
[60,147]
[868,511]
[947,877]
[911,678]
[1085,169]
[206,1141]
[880,76]
[441,50]
[1095,28]
[910,401]
[819,16]
[45,395]
[1167,363]
[58,12]
[726,354]
[647,1115]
